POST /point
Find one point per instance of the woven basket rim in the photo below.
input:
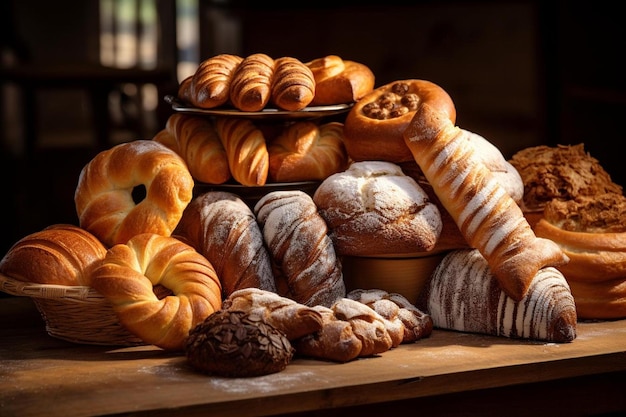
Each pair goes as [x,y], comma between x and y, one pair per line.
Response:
[49,291]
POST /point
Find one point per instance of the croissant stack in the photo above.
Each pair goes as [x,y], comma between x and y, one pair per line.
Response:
[248,157]
[485,213]
[195,139]
[463,295]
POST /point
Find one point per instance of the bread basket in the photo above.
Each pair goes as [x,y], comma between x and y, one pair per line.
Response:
[76,314]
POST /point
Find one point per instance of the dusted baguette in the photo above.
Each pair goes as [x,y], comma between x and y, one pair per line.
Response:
[224,229]
[485,213]
[306,267]
[463,295]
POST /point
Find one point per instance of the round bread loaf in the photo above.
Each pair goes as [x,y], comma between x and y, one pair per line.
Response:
[373,208]
[374,127]
[237,344]
[61,254]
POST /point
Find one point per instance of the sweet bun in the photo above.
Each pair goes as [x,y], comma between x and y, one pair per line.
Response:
[374,127]
[127,275]
[60,254]
[339,81]
[104,196]
[374,209]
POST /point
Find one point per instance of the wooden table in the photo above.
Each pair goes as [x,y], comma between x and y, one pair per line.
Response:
[448,373]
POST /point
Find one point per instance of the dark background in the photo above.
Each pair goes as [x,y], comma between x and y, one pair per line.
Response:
[521,73]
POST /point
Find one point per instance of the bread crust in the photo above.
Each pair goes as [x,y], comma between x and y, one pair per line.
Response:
[340,81]
[372,134]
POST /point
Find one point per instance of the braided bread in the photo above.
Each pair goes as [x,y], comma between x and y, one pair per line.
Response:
[306,151]
[246,149]
[306,268]
[195,139]
[104,194]
[129,272]
[223,228]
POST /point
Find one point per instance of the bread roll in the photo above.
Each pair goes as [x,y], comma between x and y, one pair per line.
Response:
[339,81]
[374,209]
[306,151]
[224,229]
[293,86]
[485,213]
[374,127]
[306,267]
[294,319]
[61,254]
[463,295]
[248,157]
[195,139]
[129,272]
[210,84]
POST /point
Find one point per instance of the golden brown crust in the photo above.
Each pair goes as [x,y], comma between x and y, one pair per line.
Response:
[374,127]
[103,196]
[60,254]
[306,151]
[340,81]
[251,83]
[293,86]
[126,278]
[224,229]
[210,84]
[246,149]
[195,139]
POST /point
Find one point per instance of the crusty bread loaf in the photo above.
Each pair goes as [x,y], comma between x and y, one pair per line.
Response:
[340,81]
[307,151]
[373,208]
[374,127]
[306,267]
[210,84]
[293,85]
[195,139]
[251,83]
[104,194]
[129,272]
[246,148]
[294,319]
[61,254]
[224,229]
[463,295]
[485,213]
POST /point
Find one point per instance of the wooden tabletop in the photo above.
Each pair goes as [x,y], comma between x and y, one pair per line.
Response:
[41,375]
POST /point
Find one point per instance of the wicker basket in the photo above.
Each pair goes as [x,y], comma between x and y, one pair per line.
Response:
[76,314]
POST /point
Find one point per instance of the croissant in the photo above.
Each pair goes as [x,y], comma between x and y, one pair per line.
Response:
[210,84]
[306,267]
[485,213]
[251,83]
[195,139]
[463,295]
[306,151]
[293,86]
[292,318]
[247,153]
[223,228]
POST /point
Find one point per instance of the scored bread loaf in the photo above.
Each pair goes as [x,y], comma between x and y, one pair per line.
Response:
[294,319]
[61,254]
[246,149]
[373,208]
[462,294]
[195,139]
[209,86]
[306,267]
[485,213]
[224,229]
[306,151]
